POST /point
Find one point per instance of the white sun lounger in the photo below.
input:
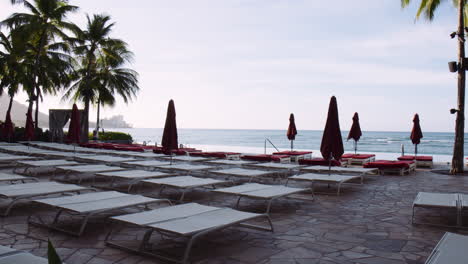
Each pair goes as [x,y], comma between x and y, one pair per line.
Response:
[12,178]
[183,183]
[231,162]
[91,204]
[186,167]
[83,170]
[8,160]
[190,221]
[278,166]
[463,203]
[131,177]
[145,164]
[452,248]
[26,191]
[27,165]
[104,158]
[239,172]
[187,158]
[260,191]
[337,179]
[143,154]
[437,200]
[13,256]
[335,169]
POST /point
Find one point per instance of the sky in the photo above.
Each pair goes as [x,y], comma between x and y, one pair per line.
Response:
[245,64]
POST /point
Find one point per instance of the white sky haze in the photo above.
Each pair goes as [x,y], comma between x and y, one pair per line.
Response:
[248,64]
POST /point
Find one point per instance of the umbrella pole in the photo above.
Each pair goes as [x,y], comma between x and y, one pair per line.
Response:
[355,146]
[292,145]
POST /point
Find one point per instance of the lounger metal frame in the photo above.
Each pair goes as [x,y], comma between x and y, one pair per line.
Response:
[338,183]
[10,255]
[192,238]
[269,200]
[128,180]
[17,198]
[451,248]
[86,215]
[457,208]
[183,189]
[27,168]
[225,173]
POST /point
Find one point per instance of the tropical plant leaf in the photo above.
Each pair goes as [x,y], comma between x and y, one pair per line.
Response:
[52,254]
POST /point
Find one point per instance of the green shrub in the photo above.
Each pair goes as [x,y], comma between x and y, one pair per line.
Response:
[111,135]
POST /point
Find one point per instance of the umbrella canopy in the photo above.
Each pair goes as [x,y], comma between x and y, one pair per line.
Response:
[416,133]
[292,131]
[332,143]
[29,127]
[169,139]
[8,127]
[355,132]
[74,130]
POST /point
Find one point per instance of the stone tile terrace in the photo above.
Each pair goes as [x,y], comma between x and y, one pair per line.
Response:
[367,224]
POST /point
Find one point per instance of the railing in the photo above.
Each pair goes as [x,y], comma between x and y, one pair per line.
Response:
[266,139]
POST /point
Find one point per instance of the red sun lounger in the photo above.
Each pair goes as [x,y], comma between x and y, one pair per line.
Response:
[319,161]
[358,159]
[421,161]
[395,166]
[219,154]
[296,155]
[268,158]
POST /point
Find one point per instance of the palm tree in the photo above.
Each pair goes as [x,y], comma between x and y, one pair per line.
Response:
[88,44]
[113,78]
[428,8]
[14,65]
[44,23]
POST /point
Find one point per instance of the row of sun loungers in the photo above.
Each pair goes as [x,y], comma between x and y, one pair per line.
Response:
[192,220]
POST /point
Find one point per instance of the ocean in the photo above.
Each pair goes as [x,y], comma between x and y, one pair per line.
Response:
[386,145]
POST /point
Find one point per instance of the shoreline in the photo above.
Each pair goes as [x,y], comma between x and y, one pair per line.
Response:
[438,159]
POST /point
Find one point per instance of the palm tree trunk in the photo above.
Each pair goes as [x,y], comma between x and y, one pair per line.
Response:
[36,115]
[10,104]
[97,118]
[36,74]
[86,121]
[458,152]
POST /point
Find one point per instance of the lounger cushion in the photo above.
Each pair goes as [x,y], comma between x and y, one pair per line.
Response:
[213,154]
[319,161]
[293,153]
[257,157]
[418,158]
[357,156]
[388,164]
[265,157]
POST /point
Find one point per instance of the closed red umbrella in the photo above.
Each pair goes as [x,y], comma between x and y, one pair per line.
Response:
[416,134]
[169,138]
[74,130]
[292,132]
[332,143]
[29,127]
[355,132]
[8,127]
